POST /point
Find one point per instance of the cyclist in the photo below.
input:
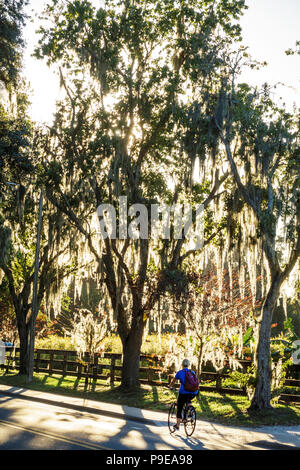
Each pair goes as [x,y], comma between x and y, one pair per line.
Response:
[183,395]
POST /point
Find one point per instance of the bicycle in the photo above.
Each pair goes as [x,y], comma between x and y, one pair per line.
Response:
[189,418]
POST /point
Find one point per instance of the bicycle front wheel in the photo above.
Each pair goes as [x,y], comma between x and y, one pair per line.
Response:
[189,420]
[172,417]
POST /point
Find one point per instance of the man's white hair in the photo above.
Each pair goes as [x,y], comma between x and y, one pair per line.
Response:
[185,362]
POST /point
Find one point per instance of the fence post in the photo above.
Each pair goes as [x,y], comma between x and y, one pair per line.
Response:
[51,363]
[37,363]
[218,382]
[64,368]
[79,369]
[87,369]
[112,369]
[95,367]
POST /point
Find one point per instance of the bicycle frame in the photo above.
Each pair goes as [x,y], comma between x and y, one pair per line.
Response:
[188,417]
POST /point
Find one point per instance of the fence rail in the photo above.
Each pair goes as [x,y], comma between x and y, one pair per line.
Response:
[108,367]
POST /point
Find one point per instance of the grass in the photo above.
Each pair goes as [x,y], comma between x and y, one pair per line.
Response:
[211,406]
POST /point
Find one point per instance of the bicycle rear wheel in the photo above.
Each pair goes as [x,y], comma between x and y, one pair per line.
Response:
[189,420]
[172,417]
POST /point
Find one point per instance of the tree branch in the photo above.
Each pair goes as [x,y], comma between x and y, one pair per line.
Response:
[295,253]
[205,243]
[235,173]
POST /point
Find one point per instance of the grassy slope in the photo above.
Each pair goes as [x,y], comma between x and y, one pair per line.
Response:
[212,406]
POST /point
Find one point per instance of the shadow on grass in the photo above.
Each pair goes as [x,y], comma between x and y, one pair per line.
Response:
[225,409]
[76,383]
[239,413]
[234,410]
[281,415]
[203,404]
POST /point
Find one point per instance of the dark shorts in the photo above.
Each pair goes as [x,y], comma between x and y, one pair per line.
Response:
[182,399]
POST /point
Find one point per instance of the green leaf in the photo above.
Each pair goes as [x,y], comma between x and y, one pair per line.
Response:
[247,336]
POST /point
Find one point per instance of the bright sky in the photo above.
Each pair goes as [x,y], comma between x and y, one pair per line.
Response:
[270,27]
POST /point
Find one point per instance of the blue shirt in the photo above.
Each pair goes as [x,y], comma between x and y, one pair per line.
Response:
[181,376]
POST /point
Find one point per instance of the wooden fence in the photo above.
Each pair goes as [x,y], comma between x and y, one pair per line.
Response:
[108,367]
[104,367]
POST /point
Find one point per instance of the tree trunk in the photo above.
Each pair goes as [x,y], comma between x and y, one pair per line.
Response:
[23,329]
[35,302]
[200,358]
[30,358]
[262,396]
[131,357]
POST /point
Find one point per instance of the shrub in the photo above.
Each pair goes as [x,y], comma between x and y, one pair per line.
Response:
[55,342]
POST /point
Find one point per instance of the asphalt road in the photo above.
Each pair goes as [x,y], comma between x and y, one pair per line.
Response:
[32,425]
[29,425]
